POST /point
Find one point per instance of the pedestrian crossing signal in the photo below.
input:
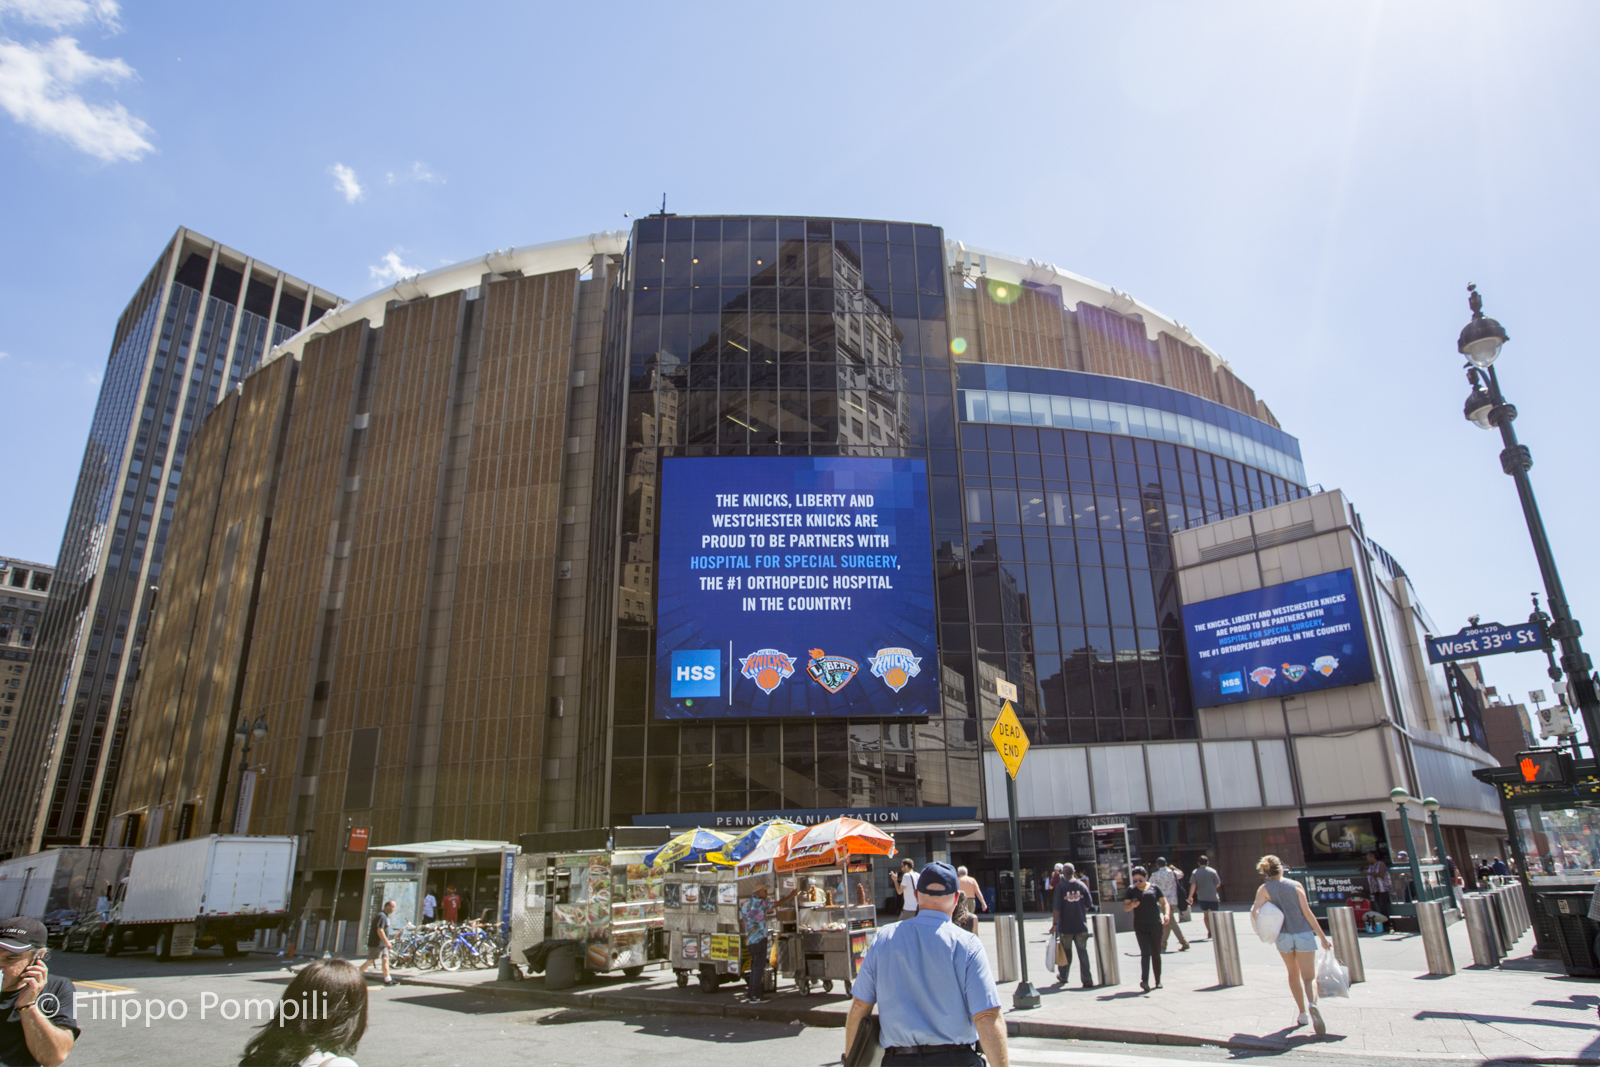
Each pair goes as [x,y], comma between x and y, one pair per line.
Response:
[1545,767]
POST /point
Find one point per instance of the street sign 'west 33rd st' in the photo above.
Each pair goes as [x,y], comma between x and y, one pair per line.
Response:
[1487,640]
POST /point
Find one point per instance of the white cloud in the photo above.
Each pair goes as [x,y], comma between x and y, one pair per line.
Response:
[344,180]
[419,172]
[392,269]
[91,378]
[38,86]
[59,14]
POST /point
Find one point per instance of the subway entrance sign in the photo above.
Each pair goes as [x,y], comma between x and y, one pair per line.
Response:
[1009,739]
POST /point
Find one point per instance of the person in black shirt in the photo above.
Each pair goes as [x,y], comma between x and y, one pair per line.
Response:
[37,1028]
[1150,914]
[1071,908]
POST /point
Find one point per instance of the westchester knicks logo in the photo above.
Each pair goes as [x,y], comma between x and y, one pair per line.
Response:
[833,673]
[896,666]
[1325,665]
[767,667]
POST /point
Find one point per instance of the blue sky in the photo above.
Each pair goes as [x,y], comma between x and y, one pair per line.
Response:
[1308,187]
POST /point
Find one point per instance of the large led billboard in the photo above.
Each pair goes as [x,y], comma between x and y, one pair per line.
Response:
[1277,641]
[794,586]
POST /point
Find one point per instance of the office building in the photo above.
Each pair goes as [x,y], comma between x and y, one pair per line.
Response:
[24,587]
[421,546]
[199,323]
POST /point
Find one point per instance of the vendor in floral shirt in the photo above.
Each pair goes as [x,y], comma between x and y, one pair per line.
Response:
[757,909]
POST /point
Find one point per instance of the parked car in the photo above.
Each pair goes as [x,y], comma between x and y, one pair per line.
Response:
[56,924]
[87,934]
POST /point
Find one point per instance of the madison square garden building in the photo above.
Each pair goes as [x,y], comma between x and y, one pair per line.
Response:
[714,517]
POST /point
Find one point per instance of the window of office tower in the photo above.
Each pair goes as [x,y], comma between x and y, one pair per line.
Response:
[767,337]
[1071,572]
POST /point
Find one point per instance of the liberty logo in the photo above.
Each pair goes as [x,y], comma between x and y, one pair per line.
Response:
[767,667]
[833,673]
[896,666]
[1294,671]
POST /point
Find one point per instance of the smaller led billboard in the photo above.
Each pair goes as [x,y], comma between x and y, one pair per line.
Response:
[1277,641]
[795,586]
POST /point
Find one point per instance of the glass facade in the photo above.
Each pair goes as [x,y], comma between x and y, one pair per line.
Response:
[776,336]
[782,336]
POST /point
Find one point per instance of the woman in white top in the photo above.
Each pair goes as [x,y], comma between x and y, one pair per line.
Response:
[320,1020]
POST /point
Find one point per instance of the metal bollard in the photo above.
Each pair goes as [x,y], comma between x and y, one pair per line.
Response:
[300,945]
[1005,948]
[338,938]
[1435,937]
[1225,947]
[1105,949]
[1519,902]
[1505,919]
[1480,931]
[1346,945]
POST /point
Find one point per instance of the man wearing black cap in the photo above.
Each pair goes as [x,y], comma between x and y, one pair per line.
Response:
[36,1023]
[931,983]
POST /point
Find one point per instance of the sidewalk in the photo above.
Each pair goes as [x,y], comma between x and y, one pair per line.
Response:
[1525,1009]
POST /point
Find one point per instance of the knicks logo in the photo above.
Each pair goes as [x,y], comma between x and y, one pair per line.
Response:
[833,673]
[896,666]
[767,667]
[1263,676]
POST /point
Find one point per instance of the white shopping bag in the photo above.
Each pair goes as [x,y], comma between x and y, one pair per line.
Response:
[1050,952]
[1269,922]
[1333,977]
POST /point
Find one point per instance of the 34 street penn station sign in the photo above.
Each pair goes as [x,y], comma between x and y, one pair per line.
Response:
[733,820]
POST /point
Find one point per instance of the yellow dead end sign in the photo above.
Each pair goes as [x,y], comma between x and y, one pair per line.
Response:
[1008,738]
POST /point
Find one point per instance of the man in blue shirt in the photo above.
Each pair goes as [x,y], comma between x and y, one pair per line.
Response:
[931,983]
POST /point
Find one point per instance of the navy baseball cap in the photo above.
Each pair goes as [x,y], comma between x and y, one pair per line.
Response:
[22,935]
[938,874]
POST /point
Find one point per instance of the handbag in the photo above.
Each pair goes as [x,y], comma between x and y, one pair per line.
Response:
[866,1050]
[1052,951]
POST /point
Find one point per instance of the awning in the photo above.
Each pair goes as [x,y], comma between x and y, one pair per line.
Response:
[455,847]
[954,826]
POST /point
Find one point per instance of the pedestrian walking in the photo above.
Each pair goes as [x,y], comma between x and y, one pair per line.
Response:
[931,983]
[37,1025]
[1150,909]
[379,936]
[1205,891]
[319,1021]
[1070,923]
[908,889]
[429,905]
[757,910]
[972,901]
[1297,941]
[1166,877]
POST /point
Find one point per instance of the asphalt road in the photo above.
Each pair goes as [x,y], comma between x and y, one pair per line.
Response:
[442,1028]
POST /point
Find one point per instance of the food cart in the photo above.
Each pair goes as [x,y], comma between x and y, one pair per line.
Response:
[702,926]
[833,920]
[594,888]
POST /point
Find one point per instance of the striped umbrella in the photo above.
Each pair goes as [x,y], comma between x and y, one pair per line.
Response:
[688,847]
[750,840]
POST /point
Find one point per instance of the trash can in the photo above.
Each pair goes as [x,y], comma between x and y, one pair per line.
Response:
[1569,914]
[561,968]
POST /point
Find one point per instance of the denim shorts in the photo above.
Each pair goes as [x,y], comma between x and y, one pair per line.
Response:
[1301,942]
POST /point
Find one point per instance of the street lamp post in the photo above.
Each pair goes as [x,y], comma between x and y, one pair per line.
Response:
[1487,408]
[1399,797]
[245,733]
[1431,806]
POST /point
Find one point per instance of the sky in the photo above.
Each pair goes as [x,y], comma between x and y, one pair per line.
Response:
[1308,187]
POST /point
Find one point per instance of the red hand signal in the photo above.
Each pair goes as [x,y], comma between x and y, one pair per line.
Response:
[1530,769]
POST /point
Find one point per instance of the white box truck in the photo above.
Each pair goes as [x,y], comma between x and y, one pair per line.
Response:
[60,885]
[207,891]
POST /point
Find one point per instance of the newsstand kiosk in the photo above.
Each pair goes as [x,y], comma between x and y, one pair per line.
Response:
[1551,804]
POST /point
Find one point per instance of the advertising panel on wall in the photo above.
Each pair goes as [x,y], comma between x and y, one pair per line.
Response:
[795,586]
[1277,641]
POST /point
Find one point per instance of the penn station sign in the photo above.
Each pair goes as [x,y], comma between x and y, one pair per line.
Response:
[734,820]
